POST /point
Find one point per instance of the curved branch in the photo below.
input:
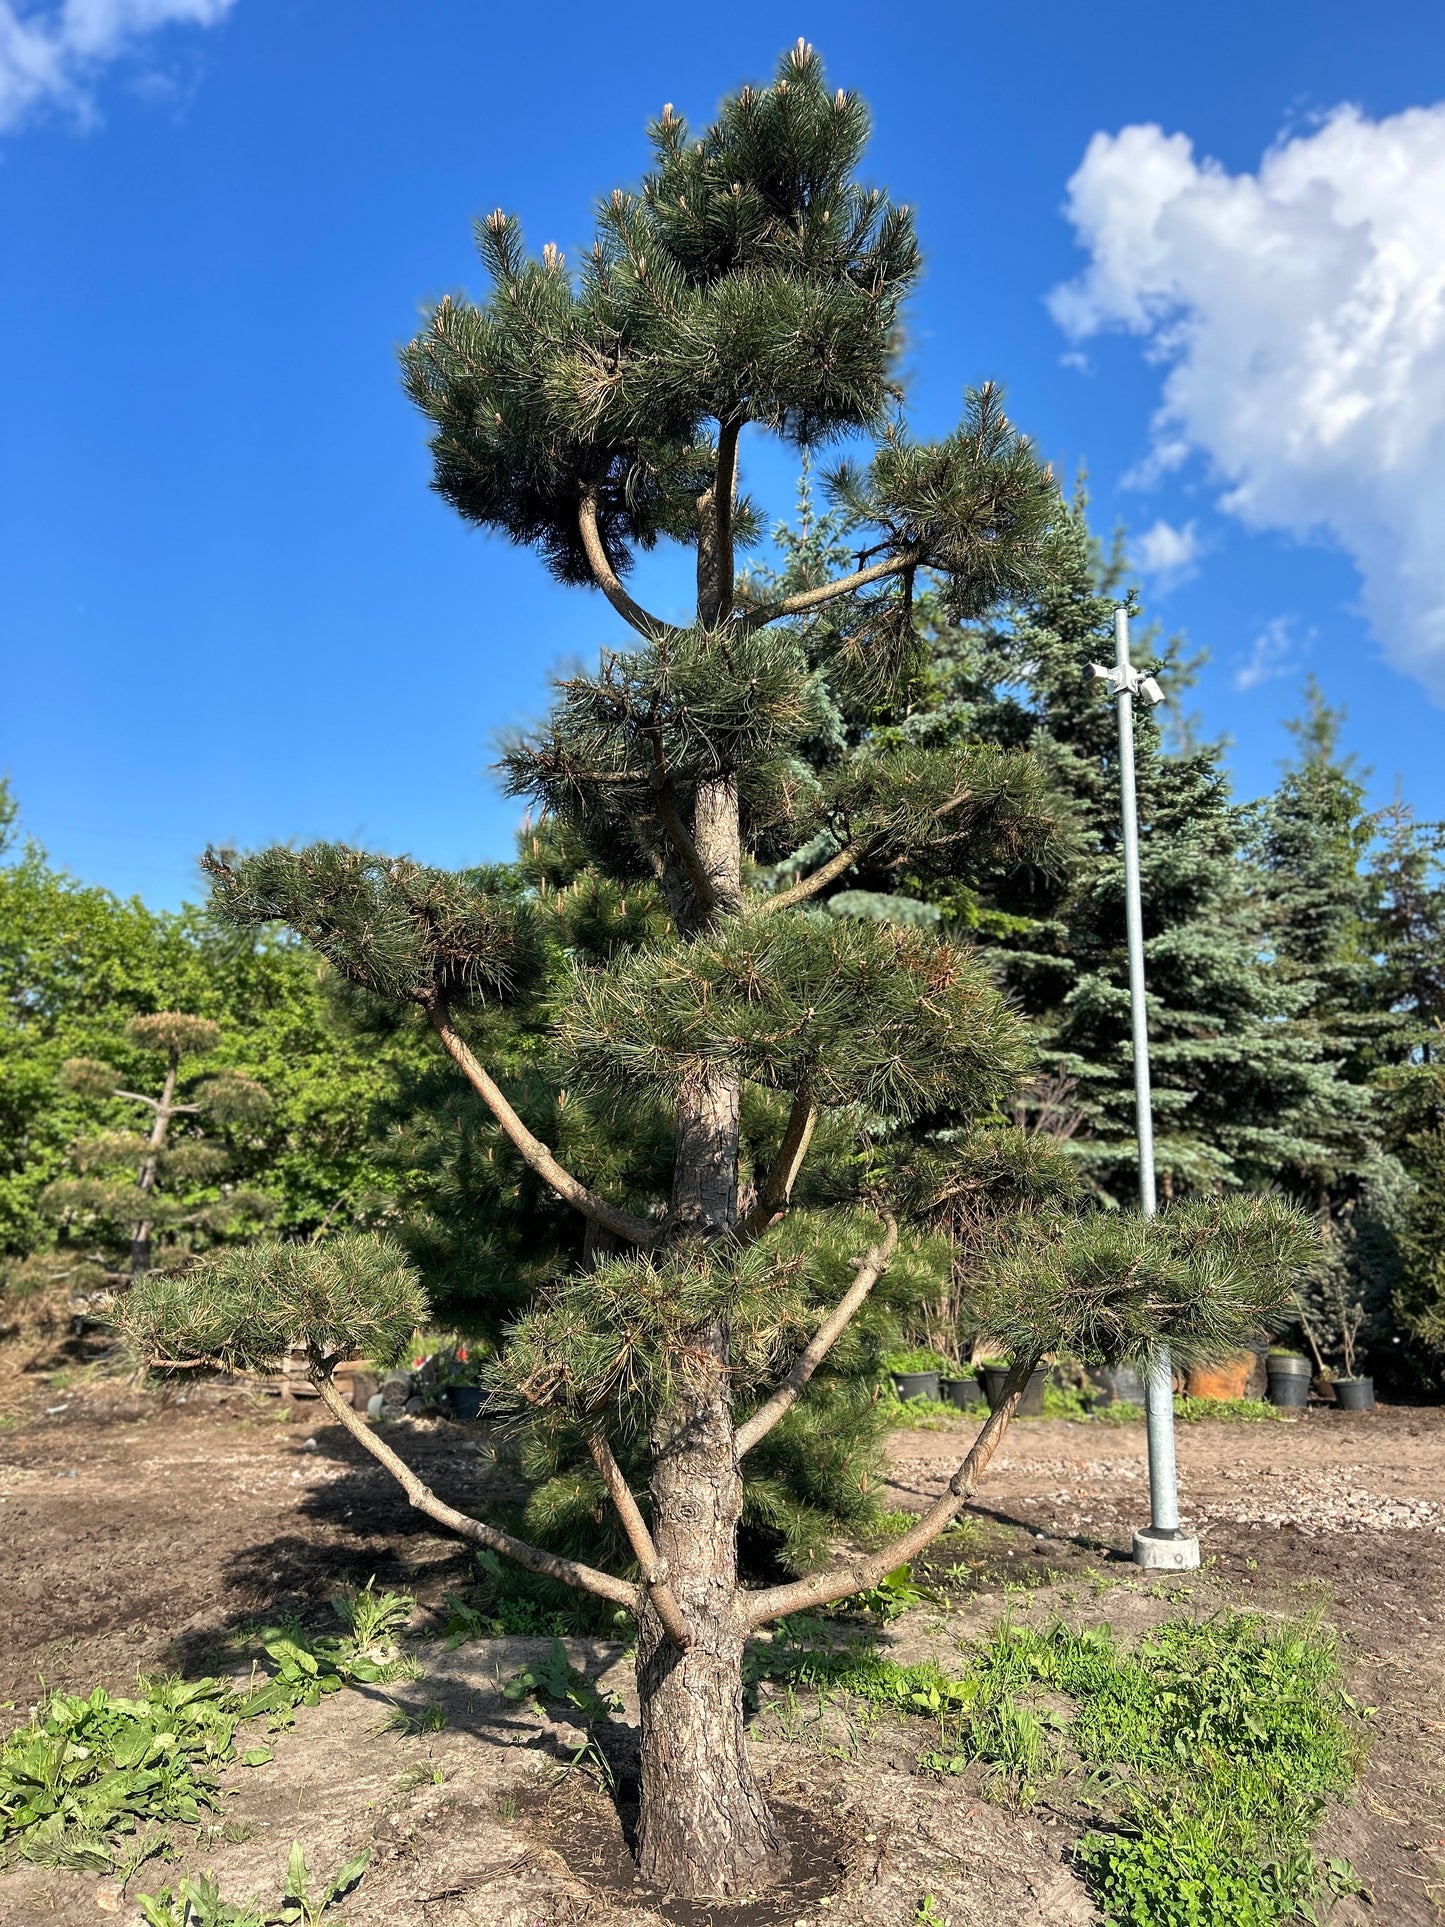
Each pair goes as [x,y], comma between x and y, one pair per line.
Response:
[608,580]
[783,1172]
[803,1594]
[870,1269]
[549,1564]
[654,1569]
[637,1231]
[805,599]
[819,880]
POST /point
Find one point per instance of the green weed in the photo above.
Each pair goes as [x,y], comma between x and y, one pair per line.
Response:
[506,1601]
[1232,1411]
[1207,1751]
[87,1769]
[555,1680]
[198,1902]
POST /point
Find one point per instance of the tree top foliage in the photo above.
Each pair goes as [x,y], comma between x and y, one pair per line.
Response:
[750,278]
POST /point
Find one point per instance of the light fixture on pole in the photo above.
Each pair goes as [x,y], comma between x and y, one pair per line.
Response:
[1160,1544]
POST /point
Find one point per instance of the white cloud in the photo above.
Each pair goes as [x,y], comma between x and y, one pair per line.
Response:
[1168,554]
[52,54]
[1276,651]
[1300,312]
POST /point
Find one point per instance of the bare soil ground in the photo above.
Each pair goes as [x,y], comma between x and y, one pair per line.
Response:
[141,1535]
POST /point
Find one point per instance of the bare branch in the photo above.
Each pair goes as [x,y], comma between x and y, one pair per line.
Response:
[805,599]
[819,880]
[870,1269]
[608,580]
[636,1231]
[533,1558]
[654,1569]
[803,1594]
[171,1110]
[783,1173]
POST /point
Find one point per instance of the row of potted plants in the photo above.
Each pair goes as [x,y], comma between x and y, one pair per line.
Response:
[1289,1378]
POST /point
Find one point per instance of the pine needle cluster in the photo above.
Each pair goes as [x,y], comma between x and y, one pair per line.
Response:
[1207,1278]
[354,1295]
[854,1013]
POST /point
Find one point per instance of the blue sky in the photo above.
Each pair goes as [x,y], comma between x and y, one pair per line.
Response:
[231,609]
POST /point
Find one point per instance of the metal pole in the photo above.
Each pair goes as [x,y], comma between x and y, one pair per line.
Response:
[1163,1544]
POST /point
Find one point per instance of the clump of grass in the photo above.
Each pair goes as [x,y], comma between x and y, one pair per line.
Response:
[1208,1751]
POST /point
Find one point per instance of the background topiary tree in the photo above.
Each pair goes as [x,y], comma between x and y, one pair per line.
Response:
[752,282]
[132,1183]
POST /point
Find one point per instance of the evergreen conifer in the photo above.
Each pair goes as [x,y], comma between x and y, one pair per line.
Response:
[751,281]
[130,1184]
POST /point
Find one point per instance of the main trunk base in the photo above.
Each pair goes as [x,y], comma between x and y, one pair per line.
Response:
[704,1830]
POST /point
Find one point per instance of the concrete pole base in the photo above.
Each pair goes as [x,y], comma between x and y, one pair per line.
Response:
[1159,1551]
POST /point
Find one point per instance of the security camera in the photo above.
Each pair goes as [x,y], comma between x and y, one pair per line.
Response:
[1096,672]
[1150,690]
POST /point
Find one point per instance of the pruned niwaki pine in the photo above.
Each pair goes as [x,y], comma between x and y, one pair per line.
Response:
[750,283]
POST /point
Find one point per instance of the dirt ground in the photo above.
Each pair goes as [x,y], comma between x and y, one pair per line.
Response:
[136,1534]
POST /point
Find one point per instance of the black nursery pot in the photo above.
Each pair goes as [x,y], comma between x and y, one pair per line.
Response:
[1355,1394]
[465,1401]
[1288,1378]
[1031,1405]
[916,1384]
[961,1392]
[1119,1384]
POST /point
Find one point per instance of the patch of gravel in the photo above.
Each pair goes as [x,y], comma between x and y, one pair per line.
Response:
[1322,1502]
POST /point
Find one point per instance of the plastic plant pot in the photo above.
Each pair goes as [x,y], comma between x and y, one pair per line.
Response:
[961,1392]
[916,1384]
[1225,1380]
[1355,1394]
[1031,1405]
[1118,1384]
[465,1401]
[1288,1377]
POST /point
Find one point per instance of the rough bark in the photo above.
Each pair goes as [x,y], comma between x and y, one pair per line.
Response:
[704,1828]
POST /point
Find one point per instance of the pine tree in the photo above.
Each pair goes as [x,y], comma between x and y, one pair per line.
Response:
[1407,923]
[132,1184]
[751,281]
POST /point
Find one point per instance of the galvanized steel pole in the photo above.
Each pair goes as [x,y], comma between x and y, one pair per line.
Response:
[1162,1544]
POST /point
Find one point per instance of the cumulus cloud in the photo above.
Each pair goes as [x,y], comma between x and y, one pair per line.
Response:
[1299,314]
[1168,554]
[1276,651]
[52,54]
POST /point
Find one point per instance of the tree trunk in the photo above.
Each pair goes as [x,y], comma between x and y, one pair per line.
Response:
[140,1235]
[704,1829]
